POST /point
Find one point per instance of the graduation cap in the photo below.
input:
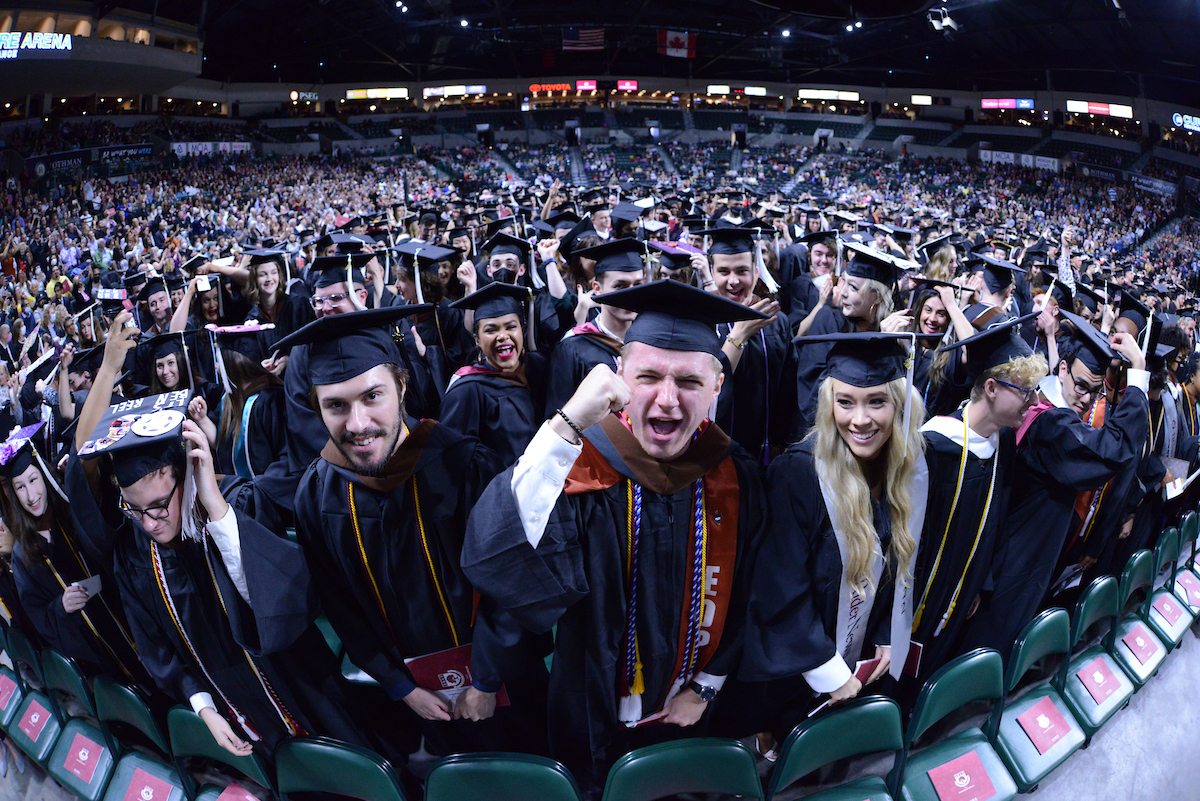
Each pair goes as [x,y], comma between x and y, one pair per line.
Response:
[1133,310]
[871,264]
[1089,297]
[175,281]
[134,280]
[88,360]
[671,256]
[997,273]
[594,200]
[496,300]
[421,256]
[193,264]
[1157,359]
[994,346]
[342,346]
[618,255]
[1089,345]
[928,249]
[675,316]
[153,286]
[338,269]
[19,452]
[562,220]
[163,345]
[501,243]
[625,212]
[242,339]
[141,435]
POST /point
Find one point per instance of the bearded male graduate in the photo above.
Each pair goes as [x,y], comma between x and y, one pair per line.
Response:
[629,522]
[381,515]
[1058,456]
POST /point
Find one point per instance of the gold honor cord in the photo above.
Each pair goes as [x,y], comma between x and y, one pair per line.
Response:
[637,683]
[362,552]
[88,620]
[293,727]
[962,467]
[88,572]
[437,584]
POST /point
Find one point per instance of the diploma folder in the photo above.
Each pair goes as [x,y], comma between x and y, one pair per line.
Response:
[447,673]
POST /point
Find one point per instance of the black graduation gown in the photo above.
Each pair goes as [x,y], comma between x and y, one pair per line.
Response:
[575,579]
[757,400]
[810,364]
[1059,457]
[265,658]
[573,358]
[101,641]
[792,615]
[498,411]
[804,295]
[961,559]
[11,600]
[373,573]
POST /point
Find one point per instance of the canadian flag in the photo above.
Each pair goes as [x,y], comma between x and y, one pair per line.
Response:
[677,43]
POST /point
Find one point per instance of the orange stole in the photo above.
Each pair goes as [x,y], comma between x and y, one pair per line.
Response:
[592,472]
[1083,501]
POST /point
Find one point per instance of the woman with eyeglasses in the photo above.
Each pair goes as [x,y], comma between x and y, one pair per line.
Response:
[219,606]
[68,593]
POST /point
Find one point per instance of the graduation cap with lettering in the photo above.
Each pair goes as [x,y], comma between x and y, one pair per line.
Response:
[994,346]
[1087,344]
[617,255]
[141,436]
[342,346]
[674,316]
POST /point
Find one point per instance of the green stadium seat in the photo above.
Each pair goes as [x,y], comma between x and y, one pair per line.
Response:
[1130,640]
[84,757]
[1112,684]
[964,758]
[323,765]
[860,726]
[1048,634]
[499,777]
[190,737]
[1168,618]
[700,765]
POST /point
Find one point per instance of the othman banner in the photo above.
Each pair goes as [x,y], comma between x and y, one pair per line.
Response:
[41,166]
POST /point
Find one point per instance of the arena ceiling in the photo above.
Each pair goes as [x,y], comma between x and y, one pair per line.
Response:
[1124,47]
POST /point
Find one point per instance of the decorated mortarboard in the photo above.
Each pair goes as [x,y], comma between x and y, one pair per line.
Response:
[617,255]
[342,346]
[675,316]
[140,435]
[495,300]
[873,265]
[340,269]
[994,346]
[673,256]
[1089,345]
[18,453]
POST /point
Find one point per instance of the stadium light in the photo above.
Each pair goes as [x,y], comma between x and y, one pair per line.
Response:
[462,22]
[786,33]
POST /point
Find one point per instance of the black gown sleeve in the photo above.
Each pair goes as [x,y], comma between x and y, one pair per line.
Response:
[156,652]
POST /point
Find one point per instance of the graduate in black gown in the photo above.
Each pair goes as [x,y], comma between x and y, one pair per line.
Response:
[381,516]
[756,402]
[616,534]
[499,400]
[50,558]
[847,509]
[619,265]
[1058,456]
[221,608]
[970,454]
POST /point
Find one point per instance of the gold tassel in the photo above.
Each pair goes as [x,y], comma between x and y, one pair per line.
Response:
[638,685]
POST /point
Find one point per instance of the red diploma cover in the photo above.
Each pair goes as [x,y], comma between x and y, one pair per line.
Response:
[1044,724]
[1099,680]
[447,673]
[962,779]
[1141,643]
[83,758]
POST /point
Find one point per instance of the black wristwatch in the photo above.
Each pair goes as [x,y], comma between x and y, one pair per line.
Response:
[706,693]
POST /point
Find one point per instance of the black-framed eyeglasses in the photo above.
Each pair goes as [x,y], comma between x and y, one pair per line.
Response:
[158,511]
[1082,389]
[1030,395]
[329,300]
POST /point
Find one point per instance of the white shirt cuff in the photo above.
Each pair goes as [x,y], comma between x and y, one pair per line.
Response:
[201,701]
[709,680]
[1139,379]
[538,479]
[225,534]
[830,676]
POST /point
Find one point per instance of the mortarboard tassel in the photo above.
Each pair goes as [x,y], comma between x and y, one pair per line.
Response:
[764,274]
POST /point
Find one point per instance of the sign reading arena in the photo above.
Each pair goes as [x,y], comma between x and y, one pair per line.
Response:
[15,43]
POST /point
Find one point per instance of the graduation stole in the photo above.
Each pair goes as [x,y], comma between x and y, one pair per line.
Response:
[716,495]
[937,561]
[87,572]
[516,377]
[164,589]
[1088,503]
[854,606]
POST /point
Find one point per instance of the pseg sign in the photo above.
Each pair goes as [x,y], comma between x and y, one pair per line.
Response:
[1186,121]
[15,44]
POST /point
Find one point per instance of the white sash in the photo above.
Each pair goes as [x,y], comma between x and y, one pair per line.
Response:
[853,609]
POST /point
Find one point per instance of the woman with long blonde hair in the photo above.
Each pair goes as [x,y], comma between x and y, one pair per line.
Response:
[833,580]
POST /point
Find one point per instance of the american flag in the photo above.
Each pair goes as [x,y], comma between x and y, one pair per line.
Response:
[583,38]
